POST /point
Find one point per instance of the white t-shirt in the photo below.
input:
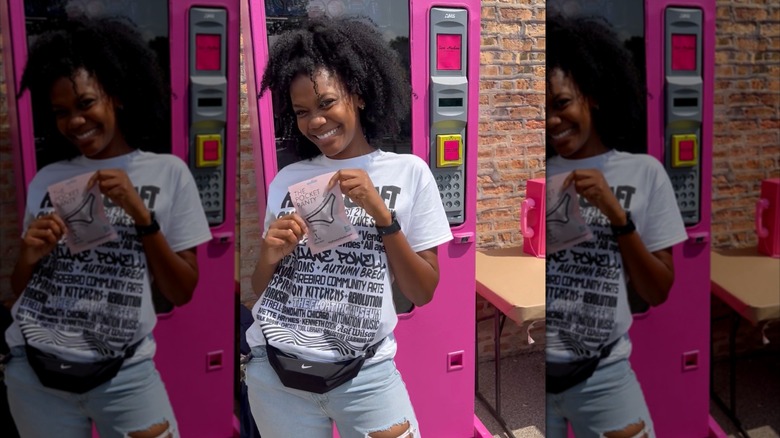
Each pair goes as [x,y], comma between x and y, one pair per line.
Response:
[91,305]
[587,301]
[331,305]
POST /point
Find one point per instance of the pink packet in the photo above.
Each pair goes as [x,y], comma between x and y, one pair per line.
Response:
[563,219]
[324,212]
[83,213]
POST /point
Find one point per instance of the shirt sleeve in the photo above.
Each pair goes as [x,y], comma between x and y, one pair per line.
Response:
[664,226]
[427,225]
[187,226]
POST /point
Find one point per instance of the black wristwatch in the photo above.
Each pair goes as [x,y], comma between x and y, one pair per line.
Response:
[146,230]
[393,228]
[622,230]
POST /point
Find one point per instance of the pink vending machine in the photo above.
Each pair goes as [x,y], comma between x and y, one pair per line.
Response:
[439,43]
[197,45]
[673,43]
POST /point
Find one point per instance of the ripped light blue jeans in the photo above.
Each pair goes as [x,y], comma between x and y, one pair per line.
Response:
[134,400]
[609,400]
[375,400]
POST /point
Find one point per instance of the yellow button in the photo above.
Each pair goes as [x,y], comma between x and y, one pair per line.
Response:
[208,150]
[449,150]
[685,150]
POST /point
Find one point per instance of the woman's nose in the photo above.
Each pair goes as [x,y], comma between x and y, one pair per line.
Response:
[316,121]
[553,119]
[76,120]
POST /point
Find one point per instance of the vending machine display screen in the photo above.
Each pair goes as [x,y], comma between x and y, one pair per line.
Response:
[207,54]
[451,102]
[683,52]
[448,52]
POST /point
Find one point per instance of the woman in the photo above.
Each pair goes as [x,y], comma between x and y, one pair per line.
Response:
[340,86]
[81,341]
[594,101]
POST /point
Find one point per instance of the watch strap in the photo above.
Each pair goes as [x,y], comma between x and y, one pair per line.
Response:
[622,230]
[393,228]
[146,230]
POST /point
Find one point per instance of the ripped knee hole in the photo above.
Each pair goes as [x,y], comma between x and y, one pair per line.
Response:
[160,430]
[403,430]
[635,430]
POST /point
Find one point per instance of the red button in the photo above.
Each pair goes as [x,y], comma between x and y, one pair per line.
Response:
[211,150]
[686,152]
[452,150]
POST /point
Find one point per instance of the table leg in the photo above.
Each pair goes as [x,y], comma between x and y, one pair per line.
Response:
[731,410]
[498,327]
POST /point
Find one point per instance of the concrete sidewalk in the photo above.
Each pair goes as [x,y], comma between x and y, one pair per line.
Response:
[758,395]
[522,376]
[522,395]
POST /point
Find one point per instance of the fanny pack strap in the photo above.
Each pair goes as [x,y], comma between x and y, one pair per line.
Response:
[607,350]
[370,351]
[129,351]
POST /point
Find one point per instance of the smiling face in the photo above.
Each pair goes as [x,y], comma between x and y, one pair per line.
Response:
[327,115]
[86,116]
[570,129]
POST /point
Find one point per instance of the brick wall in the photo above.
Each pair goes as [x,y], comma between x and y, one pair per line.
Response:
[747,115]
[511,141]
[747,138]
[250,234]
[511,115]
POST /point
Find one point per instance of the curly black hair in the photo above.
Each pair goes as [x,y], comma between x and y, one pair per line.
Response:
[113,52]
[355,52]
[590,53]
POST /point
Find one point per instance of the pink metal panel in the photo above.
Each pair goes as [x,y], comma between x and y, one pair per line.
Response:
[263,130]
[444,400]
[677,391]
[200,380]
[19,120]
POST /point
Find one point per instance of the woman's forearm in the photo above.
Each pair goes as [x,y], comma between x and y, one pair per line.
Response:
[416,274]
[175,273]
[652,274]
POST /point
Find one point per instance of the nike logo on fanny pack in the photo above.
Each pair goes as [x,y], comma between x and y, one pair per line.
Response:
[64,367]
[304,366]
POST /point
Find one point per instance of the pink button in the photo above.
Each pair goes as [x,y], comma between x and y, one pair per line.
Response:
[211,150]
[686,150]
[452,150]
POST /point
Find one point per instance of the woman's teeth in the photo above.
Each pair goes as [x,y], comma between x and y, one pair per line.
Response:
[561,134]
[86,134]
[327,134]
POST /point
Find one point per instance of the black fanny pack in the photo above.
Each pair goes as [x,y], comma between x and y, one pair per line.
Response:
[316,377]
[75,377]
[562,376]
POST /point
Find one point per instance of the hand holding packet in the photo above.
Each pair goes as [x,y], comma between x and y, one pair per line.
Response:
[323,211]
[565,224]
[83,212]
